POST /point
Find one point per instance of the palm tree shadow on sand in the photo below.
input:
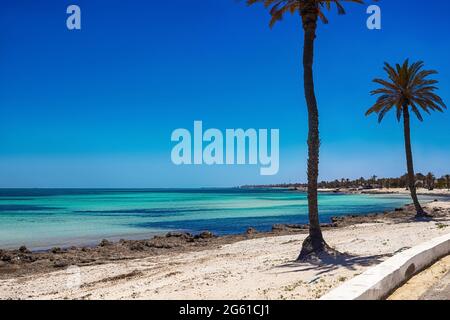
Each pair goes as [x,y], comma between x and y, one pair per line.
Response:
[332,260]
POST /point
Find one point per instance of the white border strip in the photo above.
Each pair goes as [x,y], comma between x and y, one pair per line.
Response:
[377,282]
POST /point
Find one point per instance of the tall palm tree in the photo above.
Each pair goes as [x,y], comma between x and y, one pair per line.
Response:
[408,88]
[310,12]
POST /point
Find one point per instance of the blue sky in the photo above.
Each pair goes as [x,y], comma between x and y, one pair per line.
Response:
[96,107]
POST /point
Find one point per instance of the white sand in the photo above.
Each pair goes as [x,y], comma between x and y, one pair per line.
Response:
[252,269]
[420,191]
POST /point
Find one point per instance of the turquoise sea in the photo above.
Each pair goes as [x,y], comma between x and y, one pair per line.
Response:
[42,218]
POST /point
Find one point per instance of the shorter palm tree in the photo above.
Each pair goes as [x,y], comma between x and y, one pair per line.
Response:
[408,88]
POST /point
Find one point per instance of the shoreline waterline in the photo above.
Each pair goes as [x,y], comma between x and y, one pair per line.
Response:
[45,218]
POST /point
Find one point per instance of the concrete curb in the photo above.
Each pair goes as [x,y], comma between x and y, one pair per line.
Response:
[378,282]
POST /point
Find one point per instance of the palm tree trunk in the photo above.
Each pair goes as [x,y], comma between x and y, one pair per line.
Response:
[409,162]
[314,243]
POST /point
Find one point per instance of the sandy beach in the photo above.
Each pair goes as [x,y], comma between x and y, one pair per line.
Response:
[259,268]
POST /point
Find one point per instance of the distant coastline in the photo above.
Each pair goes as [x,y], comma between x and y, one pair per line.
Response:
[426,185]
[375,191]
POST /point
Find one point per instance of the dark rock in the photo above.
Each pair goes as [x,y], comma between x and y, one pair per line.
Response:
[174,234]
[329,225]
[181,235]
[158,244]
[278,227]
[6,257]
[60,264]
[336,219]
[56,250]
[105,243]
[24,249]
[191,238]
[398,209]
[251,231]
[27,258]
[205,235]
[137,246]
[288,227]
[297,226]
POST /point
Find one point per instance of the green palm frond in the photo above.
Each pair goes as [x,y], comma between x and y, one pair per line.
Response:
[278,8]
[407,87]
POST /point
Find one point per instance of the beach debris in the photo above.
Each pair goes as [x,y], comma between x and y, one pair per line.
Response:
[441,225]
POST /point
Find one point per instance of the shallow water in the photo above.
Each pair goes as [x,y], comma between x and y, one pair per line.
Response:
[42,218]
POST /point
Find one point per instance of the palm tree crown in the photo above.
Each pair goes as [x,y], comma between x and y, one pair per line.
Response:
[407,86]
[280,7]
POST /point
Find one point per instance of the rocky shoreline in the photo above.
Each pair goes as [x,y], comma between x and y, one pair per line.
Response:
[23,262]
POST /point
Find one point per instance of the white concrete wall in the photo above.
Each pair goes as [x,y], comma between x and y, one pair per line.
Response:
[379,281]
